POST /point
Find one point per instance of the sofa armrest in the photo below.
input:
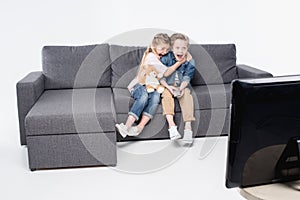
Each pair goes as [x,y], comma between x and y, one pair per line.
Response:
[245,71]
[29,89]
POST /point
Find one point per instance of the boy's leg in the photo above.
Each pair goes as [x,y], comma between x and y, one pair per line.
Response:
[167,103]
[168,110]
[187,109]
[187,106]
[168,106]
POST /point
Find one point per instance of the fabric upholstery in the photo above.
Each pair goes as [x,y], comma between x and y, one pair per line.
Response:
[125,61]
[29,90]
[72,150]
[205,97]
[245,71]
[71,111]
[215,63]
[212,96]
[76,66]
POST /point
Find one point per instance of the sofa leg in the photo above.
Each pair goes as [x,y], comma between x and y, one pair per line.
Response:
[32,169]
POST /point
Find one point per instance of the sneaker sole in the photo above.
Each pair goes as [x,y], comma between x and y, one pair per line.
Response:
[187,141]
[176,137]
[121,131]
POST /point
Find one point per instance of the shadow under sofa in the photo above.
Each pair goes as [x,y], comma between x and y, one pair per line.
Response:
[67,111]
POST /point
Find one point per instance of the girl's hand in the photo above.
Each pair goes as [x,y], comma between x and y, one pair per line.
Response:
[183,60]
[189,56]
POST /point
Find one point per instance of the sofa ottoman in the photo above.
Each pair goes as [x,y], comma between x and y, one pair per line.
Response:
[60,135]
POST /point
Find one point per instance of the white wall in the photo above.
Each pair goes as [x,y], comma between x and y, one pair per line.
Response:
[265,32]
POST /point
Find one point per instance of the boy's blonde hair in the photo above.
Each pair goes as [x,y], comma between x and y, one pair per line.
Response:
[160,38]
[179,36]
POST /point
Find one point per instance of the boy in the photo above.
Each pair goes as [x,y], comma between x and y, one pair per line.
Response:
[177,86]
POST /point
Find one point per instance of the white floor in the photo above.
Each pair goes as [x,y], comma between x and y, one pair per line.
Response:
[146,170]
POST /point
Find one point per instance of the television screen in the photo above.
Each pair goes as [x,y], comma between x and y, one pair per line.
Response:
[265,117]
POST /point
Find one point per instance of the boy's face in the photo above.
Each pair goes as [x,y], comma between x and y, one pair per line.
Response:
[180,49]
[162,49]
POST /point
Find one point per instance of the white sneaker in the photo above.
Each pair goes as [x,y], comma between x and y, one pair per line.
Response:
[122,128]
[188,136]
[134,131]
[174,134]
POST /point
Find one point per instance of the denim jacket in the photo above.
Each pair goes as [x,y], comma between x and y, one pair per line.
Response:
[185,71]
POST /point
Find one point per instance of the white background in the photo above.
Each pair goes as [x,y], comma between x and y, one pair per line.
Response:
[266,34]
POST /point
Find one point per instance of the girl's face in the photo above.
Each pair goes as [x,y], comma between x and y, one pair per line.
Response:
[162,49]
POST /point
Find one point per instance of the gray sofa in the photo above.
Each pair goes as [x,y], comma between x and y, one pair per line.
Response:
[67,111]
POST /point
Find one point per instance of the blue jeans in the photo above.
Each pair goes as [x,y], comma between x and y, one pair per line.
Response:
[143,101]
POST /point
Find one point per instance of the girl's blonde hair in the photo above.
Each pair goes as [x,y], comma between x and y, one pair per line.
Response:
[160,38]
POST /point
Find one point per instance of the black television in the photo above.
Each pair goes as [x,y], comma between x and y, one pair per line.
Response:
[264,136]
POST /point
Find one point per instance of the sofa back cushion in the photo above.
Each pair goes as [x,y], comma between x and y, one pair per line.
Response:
[76,66]
[215,63]
[125,61]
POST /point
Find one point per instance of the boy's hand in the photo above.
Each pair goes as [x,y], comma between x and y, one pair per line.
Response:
[183,85]
[172,89]
[181,93]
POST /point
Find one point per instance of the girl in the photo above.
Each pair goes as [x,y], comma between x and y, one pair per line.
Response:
[146,103]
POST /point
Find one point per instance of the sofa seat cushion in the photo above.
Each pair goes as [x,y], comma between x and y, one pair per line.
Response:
[212,96]
[71,111]
[205,97]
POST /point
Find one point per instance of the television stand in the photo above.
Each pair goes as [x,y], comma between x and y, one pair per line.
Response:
[275,191]
[288,165]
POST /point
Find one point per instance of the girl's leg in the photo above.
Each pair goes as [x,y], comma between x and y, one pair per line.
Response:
[149,112]
[153,102]
[130,120]
[136,130]
[145,119]
[140,96]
